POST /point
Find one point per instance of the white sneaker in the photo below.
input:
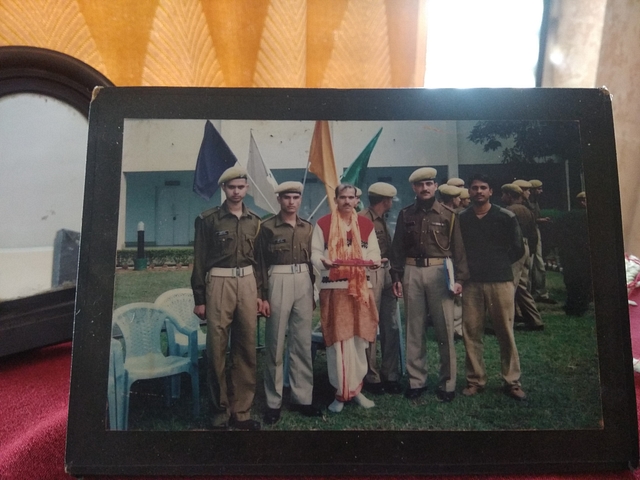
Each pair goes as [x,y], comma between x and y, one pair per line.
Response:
[363,401]
[336,406]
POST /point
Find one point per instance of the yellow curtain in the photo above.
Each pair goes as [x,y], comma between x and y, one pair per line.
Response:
[234,43]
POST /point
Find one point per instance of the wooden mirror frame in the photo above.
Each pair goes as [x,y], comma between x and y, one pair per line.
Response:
[45,318]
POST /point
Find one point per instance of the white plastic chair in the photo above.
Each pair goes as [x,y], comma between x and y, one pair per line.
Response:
[179,302]
[116,385]
[141,324]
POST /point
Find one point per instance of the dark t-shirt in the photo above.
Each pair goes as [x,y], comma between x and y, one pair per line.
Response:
[492,243]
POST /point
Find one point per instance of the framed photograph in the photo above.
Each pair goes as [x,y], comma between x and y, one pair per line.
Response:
[144,192]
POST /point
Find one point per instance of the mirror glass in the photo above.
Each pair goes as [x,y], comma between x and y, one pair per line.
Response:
[43,145]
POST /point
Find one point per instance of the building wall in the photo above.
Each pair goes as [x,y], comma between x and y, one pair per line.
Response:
[159,158]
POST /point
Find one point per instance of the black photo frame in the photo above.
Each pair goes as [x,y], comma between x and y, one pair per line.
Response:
[94,449]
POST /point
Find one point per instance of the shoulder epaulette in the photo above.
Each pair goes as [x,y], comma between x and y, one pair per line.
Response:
[209,212]
[251,212]
[447,207]
[407,207]
[509,213]
[271,219]
[306,221]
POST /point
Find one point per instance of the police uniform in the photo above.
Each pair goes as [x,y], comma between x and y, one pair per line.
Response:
[283,253]
[448,192]
[386,302]
[427,233]
[525,306]
[538,276]
[223,279]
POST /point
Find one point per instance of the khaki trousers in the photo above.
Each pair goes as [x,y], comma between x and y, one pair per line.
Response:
[291,301]
[231,310]
[538,275]
[457,314]
[425,291]
[386,303]
[497,300]
[525,304]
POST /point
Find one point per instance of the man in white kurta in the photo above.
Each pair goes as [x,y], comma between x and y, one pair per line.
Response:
[347,306]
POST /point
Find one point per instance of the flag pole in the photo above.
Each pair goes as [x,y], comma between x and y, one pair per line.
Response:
[321,202]
[316,209]
[304,179]
[273,210]
[262,194]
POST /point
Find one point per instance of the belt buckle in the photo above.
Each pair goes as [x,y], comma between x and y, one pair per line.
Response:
[239,272]
[420,262]
[297,268]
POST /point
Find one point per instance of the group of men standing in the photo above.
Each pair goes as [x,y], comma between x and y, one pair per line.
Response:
[244,267]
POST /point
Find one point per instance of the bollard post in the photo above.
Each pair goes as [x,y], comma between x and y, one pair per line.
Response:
[140,263]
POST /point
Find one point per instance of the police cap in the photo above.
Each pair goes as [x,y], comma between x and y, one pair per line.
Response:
[289,187]
[422,174]
[382,189]
[523,184]
[449,190]
[511,188]
[232,173]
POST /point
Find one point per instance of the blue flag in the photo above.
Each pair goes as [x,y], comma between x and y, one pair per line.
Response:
[214,158]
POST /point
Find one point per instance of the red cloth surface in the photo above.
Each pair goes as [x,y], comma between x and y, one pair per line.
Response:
[34,389]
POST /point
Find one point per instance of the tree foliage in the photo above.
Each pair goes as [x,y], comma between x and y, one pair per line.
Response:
[529,141]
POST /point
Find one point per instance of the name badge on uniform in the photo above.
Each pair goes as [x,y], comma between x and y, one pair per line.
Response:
[437,224]
[409,224]
[222,233]
[276,241]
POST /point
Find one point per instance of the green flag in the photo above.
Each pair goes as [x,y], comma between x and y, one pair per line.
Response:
[355,173]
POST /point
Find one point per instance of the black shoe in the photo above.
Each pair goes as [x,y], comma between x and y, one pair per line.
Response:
[249,424]
[413,393]
[375,388]
[272,416]
[392,387]
[445,397]
[306,410]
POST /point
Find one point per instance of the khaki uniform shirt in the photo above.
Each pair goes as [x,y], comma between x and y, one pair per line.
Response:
[222,240]
[527,224]
[382,232]
[423,232]
[279,243]
[535,207]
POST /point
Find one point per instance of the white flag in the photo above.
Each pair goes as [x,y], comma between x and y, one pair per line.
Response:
[263,184]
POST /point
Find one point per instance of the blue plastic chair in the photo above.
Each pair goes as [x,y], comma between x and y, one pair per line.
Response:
[141,325]
[179,302]
[116,385]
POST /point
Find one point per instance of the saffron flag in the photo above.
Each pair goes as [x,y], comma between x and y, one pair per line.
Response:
[214,158]
[263,184]
[356,172]
[321,161]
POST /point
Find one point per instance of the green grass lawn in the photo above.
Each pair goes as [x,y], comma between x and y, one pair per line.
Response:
[559,374]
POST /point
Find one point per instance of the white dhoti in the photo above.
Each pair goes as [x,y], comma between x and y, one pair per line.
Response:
[347,366]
